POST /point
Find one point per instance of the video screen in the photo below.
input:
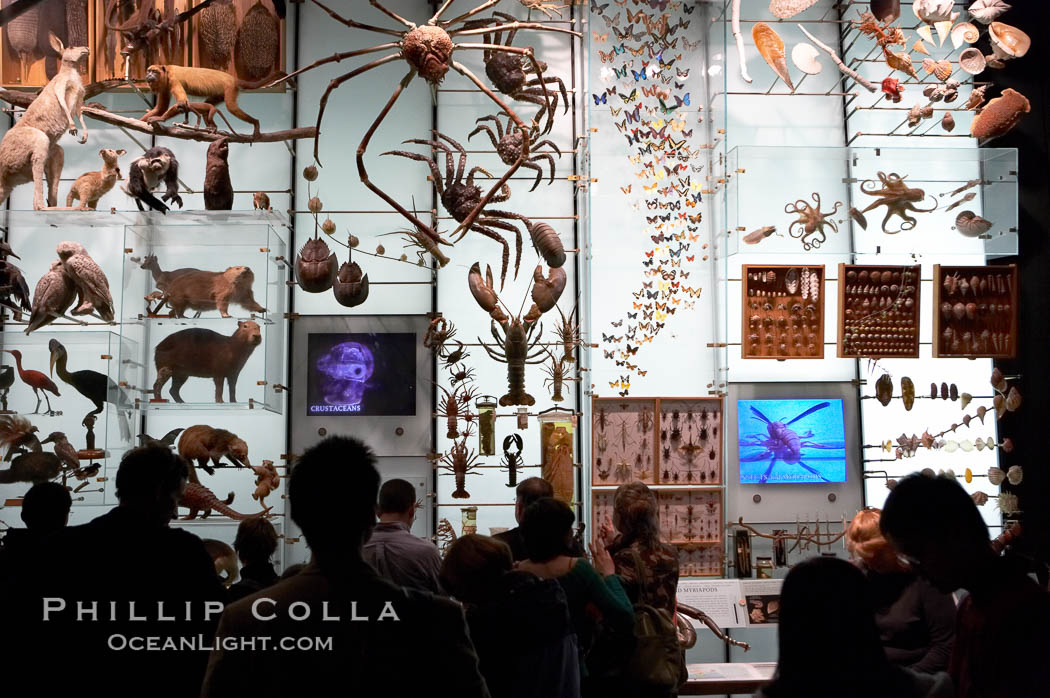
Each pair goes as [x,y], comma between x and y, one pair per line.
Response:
[791,441]
[351,374]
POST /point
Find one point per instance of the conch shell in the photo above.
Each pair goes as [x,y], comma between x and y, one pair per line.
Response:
[546,292]
[1007,41]
[987,11]
[771,46]
[971,225]
[964,33]
[351,285]
[900,61]
[316,266]
[1000,115]
[972,61]
[785,9]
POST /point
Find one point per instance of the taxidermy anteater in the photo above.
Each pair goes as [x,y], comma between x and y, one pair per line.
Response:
[204,354]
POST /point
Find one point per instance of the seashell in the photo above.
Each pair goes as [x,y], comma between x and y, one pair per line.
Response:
[971,225]
[959,311]
[902,62]
[927,472]
[893,89]
[933,391]
[791,281]
[972,61]
[886,10]
[928,440]
[1000,115]
[930,11]
[966,446]
[981,411]
[884,389]
[1013,399]
[907,393]
[949,473]
[999,402]
[258,45]
[953,392]
[979,498]
[316,266]
[948,122]
[351,285]
[965,399]
[998,381]
[918,113]
[1008,503]
[1007,445]
[944,391]
[890,484]
[925,32]
[976,98]
[942,70]
[1007,41]
[217,29]
[964,33]
[920,47]
[804,56]
[987,11]
[771,47]
[951,446]
[996,476]
[1014,475]
[971,314]
[785,9]
[966,420]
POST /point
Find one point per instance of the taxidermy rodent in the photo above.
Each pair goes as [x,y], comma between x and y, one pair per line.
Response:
[218,190]
[92,186]
[261,201]
[204,354]
[146,173]
[202,444]
[30,149]
[176,81]
[212,290]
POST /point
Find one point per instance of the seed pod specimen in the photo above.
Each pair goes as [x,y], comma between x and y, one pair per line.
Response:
[907,393]
[258,44]
[218,32]
[884,389]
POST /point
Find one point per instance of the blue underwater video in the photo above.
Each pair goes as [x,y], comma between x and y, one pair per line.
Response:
[357,374]
[791,441]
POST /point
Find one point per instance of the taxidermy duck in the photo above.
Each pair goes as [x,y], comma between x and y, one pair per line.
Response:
[95,386]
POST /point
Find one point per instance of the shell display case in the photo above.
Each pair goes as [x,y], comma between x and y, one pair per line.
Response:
[879,310]
[975,311]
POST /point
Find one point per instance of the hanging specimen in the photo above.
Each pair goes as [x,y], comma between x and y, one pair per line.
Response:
[811,222]
[897,197]
[510,144]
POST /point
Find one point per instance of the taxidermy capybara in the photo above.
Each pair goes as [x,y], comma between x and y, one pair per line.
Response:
[202,444]
[211,290]
[204,354]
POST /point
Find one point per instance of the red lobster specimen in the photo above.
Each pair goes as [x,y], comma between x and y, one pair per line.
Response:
[784,443]
[198,498]
[453,406]
[460,460]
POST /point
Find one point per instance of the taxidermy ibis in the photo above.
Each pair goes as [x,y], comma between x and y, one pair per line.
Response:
[95,386]
[36,380]
[32,465]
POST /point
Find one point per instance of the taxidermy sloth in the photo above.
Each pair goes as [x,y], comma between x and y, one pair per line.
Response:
[176,81]
[145,175]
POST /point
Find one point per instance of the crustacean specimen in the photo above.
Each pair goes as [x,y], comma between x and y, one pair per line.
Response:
[512,459]
[509,146]
[548,8]
[897,197]
[438,332]
[568,332]
[811,221]
[462,198]
[555,371]
[454,406]
[460,460]
[428,50]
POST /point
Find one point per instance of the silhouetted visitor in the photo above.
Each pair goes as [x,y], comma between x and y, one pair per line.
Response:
[528,491]
[255,543]
[45,511]
[119,580]
[828,644]
[293,570]
[916,622]
[519,623]
[224,559]
[358,633]
[1001,642]
[393,551]
[594,593]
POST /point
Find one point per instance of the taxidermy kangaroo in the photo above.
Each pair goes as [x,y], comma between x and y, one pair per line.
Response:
[31,147]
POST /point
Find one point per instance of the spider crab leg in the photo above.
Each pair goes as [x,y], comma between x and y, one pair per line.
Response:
[363,146]
[391,14]
[335,58]
[434,171]
[480,8]
[336,82]
[353,24]
[514,26]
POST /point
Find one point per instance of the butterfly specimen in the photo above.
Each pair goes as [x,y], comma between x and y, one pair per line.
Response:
[604,99]
[631,97]
[600,38]
[627,189]
[617,323]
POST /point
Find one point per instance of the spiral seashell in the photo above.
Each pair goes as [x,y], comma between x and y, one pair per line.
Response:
[948,122]
[1014,475]
[1007,41]
[979,498]
[971,225]
[996,476]
[1013,399]
[964,33]
[987,11]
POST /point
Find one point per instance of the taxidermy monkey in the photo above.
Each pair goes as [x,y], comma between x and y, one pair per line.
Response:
[218,190]
[92,186]
[145,175]
[176,81]
[30,147]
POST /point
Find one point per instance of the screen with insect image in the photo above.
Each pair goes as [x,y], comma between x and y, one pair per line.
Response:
[791,441]
[361,373]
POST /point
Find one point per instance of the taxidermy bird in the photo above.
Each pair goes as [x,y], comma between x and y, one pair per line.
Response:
[14,291]
[7,378]
[95,386]
[55,292]
[167,441]
[36,380]
[92,284]
[32,465]
[63,449]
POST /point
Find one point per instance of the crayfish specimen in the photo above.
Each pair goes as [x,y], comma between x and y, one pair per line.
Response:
[460,460]
[512,459]
[454,406]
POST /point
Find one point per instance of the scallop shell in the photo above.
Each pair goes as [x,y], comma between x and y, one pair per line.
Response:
[218,32]
[996,476]
[771,46]
[979,498]
[258,44]
[942,70]
[964,33]
[785,9]
[948,122]
[1007,41]
[804,56]
[972,61]
[1000,114]
[971,225]
[1014,475]
[987,11]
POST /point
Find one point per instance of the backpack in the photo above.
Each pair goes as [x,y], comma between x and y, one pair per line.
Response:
[658,660]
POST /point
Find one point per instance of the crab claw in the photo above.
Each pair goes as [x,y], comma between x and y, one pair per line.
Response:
[483,292]
[546,292]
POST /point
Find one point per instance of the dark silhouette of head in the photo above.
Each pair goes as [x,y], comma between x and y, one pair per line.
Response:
[256,541]
[527,492]
[635,514]
[397,500]
[45,507]
[823,604]
[935,524]
[150,481]
[293,570]
[546,527]
[473,565]
[332,495]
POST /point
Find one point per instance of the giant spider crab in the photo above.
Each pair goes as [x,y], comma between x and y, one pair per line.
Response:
[509,146]
[428,49]
[462,197]
[897,197]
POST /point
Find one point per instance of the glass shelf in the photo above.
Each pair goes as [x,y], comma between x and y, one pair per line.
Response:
[112,218]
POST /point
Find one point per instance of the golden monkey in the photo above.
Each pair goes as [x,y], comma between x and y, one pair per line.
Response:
[178,82]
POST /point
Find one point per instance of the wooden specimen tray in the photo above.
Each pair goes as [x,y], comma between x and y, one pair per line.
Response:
[26,57]
[878,311]
[780,318]
[971,322]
